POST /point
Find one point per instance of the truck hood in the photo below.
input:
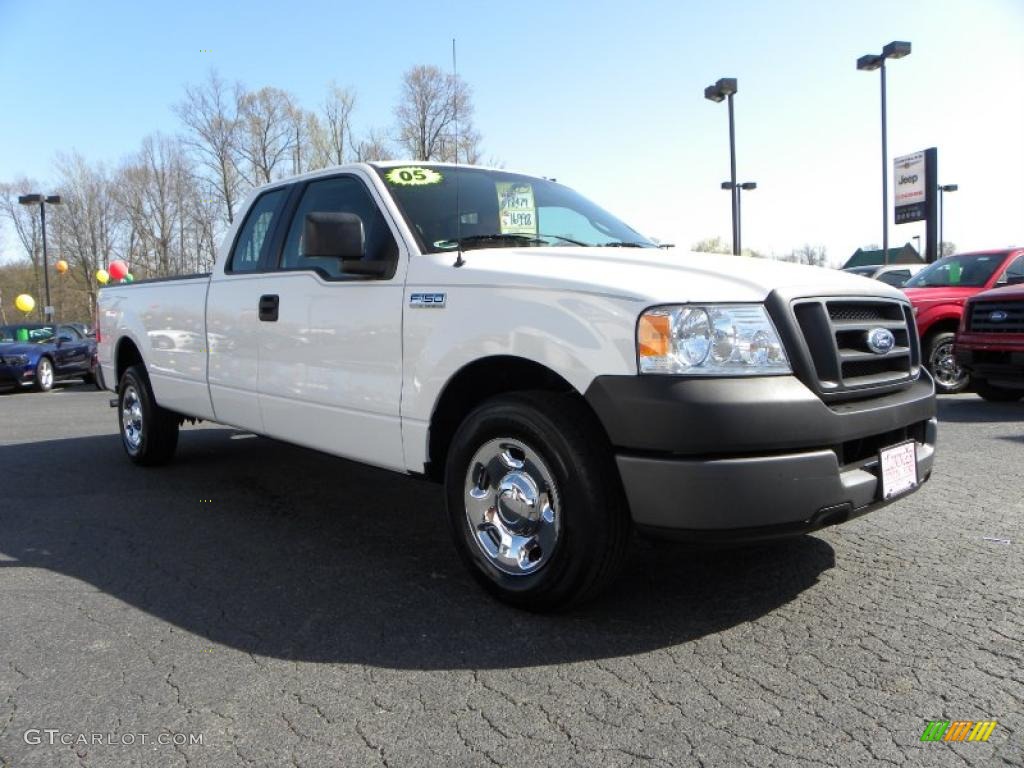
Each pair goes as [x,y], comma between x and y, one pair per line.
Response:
[649,275]
[1006,293]
[922,298]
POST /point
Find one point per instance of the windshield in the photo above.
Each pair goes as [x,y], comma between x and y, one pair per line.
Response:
[965,269]
[37,334]
[499,209]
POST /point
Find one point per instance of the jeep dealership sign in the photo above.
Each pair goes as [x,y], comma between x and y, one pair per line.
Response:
[911,187]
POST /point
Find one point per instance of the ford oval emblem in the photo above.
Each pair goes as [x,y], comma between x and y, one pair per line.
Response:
[880,340]
[998,316]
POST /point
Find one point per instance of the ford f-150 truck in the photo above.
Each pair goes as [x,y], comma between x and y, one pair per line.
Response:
[565,379]
[990,343]
[938,293]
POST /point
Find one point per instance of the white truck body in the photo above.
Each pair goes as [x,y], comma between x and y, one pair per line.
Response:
[357,368]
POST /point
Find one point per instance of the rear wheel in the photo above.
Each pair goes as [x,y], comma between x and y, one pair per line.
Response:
[997,394]
[149,433]
[534,501]
[44,375]
[949,376]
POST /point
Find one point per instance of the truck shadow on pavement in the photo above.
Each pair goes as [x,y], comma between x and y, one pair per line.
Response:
[287,553]
[971,409]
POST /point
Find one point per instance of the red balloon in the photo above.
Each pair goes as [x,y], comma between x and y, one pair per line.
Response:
[117,269]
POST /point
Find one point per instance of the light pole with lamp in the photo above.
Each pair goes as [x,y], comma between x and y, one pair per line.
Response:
[722,89]
[943,189]
[737,189]
[894,50]
[42,200]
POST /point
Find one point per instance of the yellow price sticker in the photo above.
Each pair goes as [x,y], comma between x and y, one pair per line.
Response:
[412,176]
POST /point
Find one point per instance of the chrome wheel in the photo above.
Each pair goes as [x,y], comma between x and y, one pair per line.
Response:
[131,418]
[944,367]
[512,506]
[44,374]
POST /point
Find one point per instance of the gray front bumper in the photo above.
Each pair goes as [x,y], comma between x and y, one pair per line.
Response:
[754,497]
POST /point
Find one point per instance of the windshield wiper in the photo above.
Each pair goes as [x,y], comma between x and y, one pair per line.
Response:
[622,244]
[495,238]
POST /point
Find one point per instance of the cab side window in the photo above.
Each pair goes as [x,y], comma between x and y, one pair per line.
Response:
[1014,274]
[342,194]
[252,241]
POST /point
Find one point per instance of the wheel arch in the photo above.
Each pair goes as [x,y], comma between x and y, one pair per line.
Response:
[126,354]
[477,382]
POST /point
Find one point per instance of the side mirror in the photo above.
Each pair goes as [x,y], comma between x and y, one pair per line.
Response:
[329,235]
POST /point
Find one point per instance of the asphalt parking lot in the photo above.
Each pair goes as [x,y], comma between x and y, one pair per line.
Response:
[292,609]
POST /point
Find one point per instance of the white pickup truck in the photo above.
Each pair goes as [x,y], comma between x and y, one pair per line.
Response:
[566,379]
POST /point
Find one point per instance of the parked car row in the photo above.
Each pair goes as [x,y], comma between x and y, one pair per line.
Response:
[895,275]
[31,355]
[955,294]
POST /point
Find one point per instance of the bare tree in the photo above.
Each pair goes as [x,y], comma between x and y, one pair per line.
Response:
[373,146]
[711,245]
[87,231]
[266,133]
[210,114]
[431,101]
[25,222]
[809,254]
[337,125]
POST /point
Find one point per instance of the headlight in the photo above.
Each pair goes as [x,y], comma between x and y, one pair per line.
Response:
[14,359]
[711,340]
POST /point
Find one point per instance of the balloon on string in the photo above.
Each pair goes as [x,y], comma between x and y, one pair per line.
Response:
[102,276]
[129,277]
[117,269]
[25,303]
[61,266]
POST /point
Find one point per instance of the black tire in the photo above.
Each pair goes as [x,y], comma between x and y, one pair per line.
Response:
[42,382]
[589,505]
[950,377]
[997,394]
[155,438]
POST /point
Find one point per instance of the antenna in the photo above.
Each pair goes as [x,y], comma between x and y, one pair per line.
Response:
[459,261]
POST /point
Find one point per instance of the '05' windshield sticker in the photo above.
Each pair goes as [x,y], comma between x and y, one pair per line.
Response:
[411,176]
[517,213]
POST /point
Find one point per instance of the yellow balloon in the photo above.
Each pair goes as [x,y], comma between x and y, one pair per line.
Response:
[102,276]
[25,303]
[62,266]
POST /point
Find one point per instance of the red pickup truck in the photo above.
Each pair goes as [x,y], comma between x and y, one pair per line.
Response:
[990,343]
[938,294]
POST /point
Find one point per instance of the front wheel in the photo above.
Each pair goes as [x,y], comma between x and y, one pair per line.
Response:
[534,501]
[44,375]
[149,433]
[949,376]
[997,394]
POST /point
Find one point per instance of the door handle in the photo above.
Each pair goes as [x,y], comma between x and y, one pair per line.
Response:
[268,307]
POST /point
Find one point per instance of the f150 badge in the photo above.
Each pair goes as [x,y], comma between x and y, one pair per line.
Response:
[427,300]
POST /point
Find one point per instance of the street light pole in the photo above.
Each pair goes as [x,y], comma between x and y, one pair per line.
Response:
[894,50]
[43,200]
[885,178]
[736,248]
[725,88]
[942,208]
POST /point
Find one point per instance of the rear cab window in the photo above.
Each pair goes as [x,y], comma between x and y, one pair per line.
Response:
[249,252]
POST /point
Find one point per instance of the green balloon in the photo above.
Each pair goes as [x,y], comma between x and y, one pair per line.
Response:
[128,278]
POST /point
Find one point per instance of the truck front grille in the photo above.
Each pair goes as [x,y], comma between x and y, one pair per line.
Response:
[835,331]
[996,317]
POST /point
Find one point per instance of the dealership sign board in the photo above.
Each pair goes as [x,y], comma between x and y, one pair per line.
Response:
[909,181]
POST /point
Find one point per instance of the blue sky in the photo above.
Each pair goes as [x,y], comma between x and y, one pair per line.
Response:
[605,96]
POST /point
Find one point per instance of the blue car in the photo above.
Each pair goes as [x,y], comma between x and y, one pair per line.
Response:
[31,357]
